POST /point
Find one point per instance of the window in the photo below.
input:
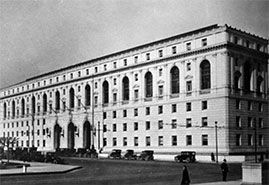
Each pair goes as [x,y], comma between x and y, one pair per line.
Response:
[136,94]
[160,71]
[135,141]
[125,85]
[204,122]
[205,74]
[147,141]
[115,65]
[260,141]
[136,59]
[148,84]
[250,105]
[57,101]
[204,42]
[160,109]
[87,95]
[124,141]
[160,140]
[114,97]
[160,124]
[189,86]
[174,75]
[160,90]
[135,125]
[250,122]
[188,66]
[174,108]
[238,122]
[238,141]
[174,140]
[160,53]
[105,92]
[125,62]
[238,104]
[87,71]
[258,47]
[104,115]
[188,140]
[260,123]
[136,112]
[250,140]
[188,122]
[114,127]
[148,56]
[105,67]
[147,125]
[136,77]
[114,141]
[96,101]
[247,44]
[204,105]
[174,50]
[188,106]
[71,77]
[147,110]
[124,127]
[124,113]
[204,140]
[174,124]
[79,73]
[96,69]
[63,79]
[188,46]
[260,107]
[114,114]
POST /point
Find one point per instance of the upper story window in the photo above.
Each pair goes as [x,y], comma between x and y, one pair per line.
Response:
[125,85]
[79,73]
[105,67]
[204,42]
[160,71]
[148,85]
[115,65]
[148,56]
[71,75]
[174,75]
[115,81]
[87,71]
[125,62]
[136,77]
[160,53]
[135,59]
[63,77]
[57,79]
[188,46]
[205,74]
[235,39]
[174,50]
[258,47]
[105,92]
[188,66]
[96,69]
[247,43]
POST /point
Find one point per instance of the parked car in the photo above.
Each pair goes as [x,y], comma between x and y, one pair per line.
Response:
[146,155]
[186,156]
[115,154]
[53,158]
[130,155]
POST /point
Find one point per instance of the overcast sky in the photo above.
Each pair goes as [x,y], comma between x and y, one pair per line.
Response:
[41,36]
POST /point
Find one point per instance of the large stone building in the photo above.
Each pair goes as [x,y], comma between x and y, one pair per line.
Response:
[169,95]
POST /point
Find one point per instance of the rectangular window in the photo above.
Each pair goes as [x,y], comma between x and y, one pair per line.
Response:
[160,71]
[115,81]
[114,127]
[204,140]
[148,56]
[174,140]
[115,65]
[250,122]
[96,69]
[174,50]
[160,124]
[238,104]
[104,128]
[124,113]
[71,77]
[204,122]
[160,140]
[238,121]
[189,86]
[114,141]
[44,143]
[260,142]
[188,122]
[147,125]
[160,53]
[136,77]
[147,110]
[238,140]
[104,141]
[260,107]
[87,71]
[188,66]
[250,140]
[204,105]
[204,42]
[174,123]
[125,62]
[136,94]
[114,97]
[105,67]
[160,91]
[188,46]
[160,109]
[235,40]
[260,123]
[135,125]
[124,141]
[188,106]
[250,105]
[188,140]
[95,101]
[124,127]
[136,112]
[104,115]
[114,114]
[135,141]
[79,73]
[136,59]
[95,85]
[147,141]
[174,108]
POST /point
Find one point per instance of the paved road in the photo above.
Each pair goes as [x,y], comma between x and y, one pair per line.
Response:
[120,172]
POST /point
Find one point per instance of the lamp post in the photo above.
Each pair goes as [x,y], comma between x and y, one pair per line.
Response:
[216,134]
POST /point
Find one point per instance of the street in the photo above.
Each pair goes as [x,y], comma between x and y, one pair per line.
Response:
[124,172]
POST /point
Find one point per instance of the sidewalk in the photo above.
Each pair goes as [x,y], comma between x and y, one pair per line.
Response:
[38,168]
[222,183]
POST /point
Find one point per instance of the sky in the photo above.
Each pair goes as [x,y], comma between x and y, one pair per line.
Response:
[38,36]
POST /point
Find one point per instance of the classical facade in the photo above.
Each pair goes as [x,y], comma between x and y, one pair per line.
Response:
[170,95]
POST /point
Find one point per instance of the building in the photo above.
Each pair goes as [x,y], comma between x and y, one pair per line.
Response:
[170,95]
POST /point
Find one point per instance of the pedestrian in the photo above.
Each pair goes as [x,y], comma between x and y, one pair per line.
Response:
[185,176]
[212,157]
[224,169]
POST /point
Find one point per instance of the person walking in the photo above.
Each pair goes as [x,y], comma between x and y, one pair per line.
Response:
[185,176]
[224,169]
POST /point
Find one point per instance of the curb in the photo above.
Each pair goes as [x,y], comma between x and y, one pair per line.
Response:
[40,173]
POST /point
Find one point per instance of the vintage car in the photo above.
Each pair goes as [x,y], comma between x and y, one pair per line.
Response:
[146,155]
[115,154]
[186,156]
[130,155]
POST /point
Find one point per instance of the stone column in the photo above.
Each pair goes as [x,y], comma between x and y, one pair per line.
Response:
[232,74]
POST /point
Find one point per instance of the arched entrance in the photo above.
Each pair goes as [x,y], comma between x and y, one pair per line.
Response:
[71,135]
[57,136]
[87,134]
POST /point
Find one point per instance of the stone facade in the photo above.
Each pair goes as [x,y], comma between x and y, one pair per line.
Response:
[169,95]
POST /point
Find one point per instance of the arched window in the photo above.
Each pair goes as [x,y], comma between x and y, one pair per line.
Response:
[174,77]
[148,85]
[247,76]
[71,98]
[57,100]
[205,75]
[105,92]
[259,84]
[237,76]
[45,103]
[22,107]
[13,109]
[87,95]
[33,105]
[125,88]
[5,110]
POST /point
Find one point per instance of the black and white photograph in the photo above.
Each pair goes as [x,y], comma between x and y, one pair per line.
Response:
[134,92]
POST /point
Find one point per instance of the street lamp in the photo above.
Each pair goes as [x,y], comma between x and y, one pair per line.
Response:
[216,134]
